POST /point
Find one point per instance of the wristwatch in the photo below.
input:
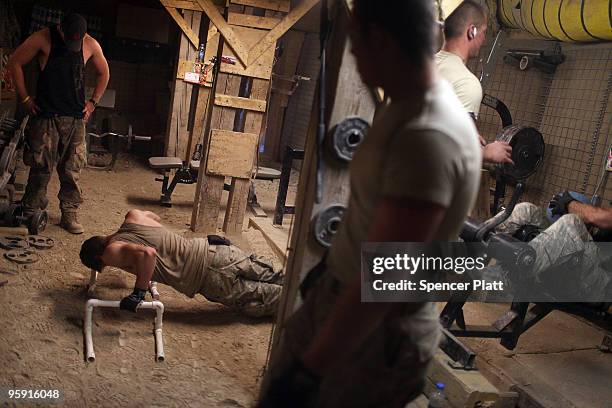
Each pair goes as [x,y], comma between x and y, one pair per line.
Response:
[93,101]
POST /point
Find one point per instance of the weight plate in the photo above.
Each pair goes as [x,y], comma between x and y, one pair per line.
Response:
[7,157]
[38,222]
[23,256]
[347,136]
[40,242]
[527,151]
[327,223]
[13,242]
[10,215]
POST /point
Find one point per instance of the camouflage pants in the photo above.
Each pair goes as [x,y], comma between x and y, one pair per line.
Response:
[54,142]
[566,237]
[242,281]
[387,370]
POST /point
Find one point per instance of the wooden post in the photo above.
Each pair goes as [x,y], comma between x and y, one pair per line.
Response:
[282,85]
[177,134]
[228,148]
[346,96]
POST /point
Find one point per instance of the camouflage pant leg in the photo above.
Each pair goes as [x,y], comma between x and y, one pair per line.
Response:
[524,214]
[40,154]
[71,162]
[250,266]
[569,236]
[57,141]
[388,369]
[239,280]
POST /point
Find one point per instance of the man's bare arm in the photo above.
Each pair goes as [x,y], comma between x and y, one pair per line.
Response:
[599,217]
[351,321]
[152,216]
[138,259]
[103,73]
[22,56]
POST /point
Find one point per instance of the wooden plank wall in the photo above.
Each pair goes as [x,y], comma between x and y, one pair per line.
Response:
[282,86]
[227,103]
[177,133]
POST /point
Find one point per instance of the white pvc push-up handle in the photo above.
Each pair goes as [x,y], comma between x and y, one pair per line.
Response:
[87,326]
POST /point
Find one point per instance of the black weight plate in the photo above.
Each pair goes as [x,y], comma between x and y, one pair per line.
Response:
[22,256]
[10,215]
[38,222]
[13,242]
[40,242]
[527,151]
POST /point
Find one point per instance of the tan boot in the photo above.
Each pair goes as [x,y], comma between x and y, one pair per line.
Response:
[70,223]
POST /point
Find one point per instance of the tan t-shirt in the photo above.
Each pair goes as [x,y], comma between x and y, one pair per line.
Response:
[181,262]
[465,84]
[426,150]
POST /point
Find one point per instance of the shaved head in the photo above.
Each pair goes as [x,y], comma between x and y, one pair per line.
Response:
[469,12]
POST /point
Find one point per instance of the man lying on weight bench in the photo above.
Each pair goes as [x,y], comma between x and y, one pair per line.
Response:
[211,266]
[567,227]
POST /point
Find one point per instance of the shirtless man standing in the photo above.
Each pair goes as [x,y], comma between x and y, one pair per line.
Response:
[59,111]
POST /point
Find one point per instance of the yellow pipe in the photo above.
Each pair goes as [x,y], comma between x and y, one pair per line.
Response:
[564,20]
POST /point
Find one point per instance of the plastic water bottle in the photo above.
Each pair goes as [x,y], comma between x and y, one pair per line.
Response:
[201,51]
[437,399]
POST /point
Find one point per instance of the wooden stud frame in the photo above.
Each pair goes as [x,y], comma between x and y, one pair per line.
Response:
[245,54]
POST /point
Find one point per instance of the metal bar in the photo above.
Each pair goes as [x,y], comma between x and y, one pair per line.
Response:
[509,339]
[489,332]
[458,351]
[281,197]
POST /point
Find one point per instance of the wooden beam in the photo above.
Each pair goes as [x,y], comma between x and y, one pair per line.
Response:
[228,33]
[346,96]
[285,67]
[276,5]
[189,4]
[239,192]
[240,103]
[205,213]
[181,4]
[247,20]
[193,37]
[280,29]
[276,236]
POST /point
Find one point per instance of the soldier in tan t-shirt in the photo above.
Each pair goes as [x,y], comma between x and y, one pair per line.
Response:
[464,34]
[413,179]
[211,266]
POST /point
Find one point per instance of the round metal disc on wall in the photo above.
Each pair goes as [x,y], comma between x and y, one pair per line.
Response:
[326,224]
[527,151]
[22,256]
[40,242]
[13,242]
[347,136]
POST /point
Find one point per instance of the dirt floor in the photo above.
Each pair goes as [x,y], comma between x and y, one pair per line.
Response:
[214,356]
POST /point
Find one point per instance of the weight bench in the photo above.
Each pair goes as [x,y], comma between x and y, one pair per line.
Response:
[187,173]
